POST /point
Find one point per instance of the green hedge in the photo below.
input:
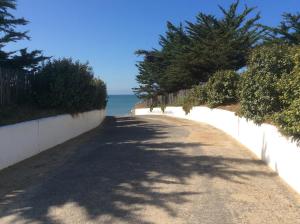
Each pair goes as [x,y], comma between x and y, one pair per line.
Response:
[68,86]
[268,91]
[288,118]
[259,87]
[222,88]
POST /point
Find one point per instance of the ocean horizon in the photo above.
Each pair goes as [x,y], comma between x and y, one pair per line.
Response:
[120,105]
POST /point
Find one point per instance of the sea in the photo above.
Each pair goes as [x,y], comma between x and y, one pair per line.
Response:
[120,105]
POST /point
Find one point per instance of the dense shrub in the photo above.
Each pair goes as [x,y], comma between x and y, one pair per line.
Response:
[222,88]
[187,104]
[199,94]
[196,96]
[259,93]
[68,86]
[259,97]
[289,118]
[289,84]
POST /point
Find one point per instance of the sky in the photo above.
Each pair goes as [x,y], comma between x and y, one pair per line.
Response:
[106,33]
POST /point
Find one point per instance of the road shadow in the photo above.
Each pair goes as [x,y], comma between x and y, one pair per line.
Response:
[114,172]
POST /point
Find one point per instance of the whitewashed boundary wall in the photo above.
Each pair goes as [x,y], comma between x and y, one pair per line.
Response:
[23,140]
[281,153]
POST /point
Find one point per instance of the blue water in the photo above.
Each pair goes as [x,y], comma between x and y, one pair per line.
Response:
[119,105]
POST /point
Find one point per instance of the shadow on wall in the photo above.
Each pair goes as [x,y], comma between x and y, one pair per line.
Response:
[114,171]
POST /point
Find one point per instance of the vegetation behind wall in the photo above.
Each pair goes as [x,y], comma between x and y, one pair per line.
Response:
[68,86]
[61,86]
[31,88]
[225,60]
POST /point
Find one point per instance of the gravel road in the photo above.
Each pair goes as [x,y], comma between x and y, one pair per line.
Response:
[146,170]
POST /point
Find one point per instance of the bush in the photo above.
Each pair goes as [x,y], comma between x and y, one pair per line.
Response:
[195,97]
[289,84]
[68,86]
[259,97]
[163,107]
[289,118]
[259,93]
[187,104]
[199,94]
[222,88]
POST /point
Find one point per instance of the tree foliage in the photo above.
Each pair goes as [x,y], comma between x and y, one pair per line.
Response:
[148,77]
[224,43]
[30,88]
[288,31]
[229,59]
[68,86]
[21,59]
[161,71]
[190,54]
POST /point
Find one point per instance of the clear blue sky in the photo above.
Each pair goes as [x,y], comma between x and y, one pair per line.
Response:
[107,32]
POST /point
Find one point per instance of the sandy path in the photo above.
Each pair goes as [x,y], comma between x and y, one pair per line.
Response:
[146,170]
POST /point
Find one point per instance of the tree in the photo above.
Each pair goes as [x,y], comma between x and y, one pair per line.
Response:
[190,55]
[288,31]
[222,44]
[21,59]
[28,61]
[8,23]
[149,70]
[161,71]
[174,44]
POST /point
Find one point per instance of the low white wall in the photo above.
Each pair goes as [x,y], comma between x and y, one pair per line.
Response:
[279,152]
[23,140]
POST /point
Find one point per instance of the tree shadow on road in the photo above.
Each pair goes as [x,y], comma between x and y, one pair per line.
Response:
[116,171]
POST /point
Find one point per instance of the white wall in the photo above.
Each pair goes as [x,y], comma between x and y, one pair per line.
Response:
[279,152]
[23,140]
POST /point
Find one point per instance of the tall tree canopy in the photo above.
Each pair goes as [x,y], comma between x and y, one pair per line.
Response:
[162,71]
[191,54]
[150,70]
[21,59]
[174,44]
[220,44]
[288,31]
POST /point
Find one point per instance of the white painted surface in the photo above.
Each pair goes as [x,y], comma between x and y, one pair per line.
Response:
[279,152]
[23,140]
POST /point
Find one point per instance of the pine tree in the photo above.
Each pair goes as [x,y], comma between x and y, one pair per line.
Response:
[288,31]
[174,44]
[221,44]
[190,55]
[21,59]
[150,69]
[162,71]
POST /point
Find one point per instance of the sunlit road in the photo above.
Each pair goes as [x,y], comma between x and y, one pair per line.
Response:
[146,170]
